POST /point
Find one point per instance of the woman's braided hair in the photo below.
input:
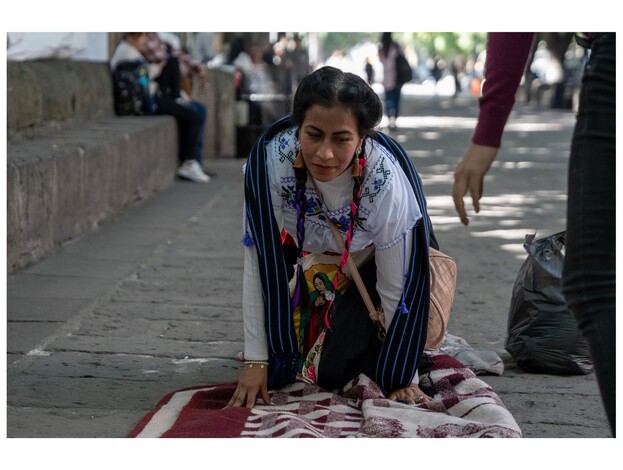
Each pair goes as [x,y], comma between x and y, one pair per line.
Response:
[329,86]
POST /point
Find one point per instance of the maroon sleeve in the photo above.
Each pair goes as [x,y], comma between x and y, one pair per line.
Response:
[507,54]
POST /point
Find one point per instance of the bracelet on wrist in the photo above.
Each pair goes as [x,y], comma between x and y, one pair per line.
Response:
[262,364]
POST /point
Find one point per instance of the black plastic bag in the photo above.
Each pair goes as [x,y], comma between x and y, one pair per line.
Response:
[543,335]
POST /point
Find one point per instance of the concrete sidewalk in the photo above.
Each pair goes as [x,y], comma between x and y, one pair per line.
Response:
[151,302]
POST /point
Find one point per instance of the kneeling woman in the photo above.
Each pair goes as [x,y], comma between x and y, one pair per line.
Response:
[326,161]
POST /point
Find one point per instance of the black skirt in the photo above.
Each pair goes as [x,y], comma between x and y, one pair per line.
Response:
[351,346]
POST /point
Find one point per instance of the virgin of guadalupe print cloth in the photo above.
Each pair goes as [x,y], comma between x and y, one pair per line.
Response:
[462,406]
[319,271]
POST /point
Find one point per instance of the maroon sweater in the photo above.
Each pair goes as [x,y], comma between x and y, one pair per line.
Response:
[507,54]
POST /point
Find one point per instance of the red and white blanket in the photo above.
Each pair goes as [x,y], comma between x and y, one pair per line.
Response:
[462,406]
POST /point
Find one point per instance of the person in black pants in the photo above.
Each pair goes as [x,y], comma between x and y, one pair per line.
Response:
[589,272]
[190,122]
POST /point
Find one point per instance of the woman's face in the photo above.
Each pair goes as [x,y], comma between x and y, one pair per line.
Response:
[328,138]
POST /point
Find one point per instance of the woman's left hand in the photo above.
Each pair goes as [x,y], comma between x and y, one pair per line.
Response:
[412,395]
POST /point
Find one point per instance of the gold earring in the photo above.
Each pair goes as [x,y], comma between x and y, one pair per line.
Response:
[298,161]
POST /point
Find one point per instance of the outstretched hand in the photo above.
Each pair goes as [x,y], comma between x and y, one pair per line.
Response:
[253,381]
[469,176]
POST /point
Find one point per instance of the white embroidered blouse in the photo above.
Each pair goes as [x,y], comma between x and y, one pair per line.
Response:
[388,212]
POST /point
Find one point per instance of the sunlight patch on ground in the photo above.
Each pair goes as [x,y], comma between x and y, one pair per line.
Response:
[509,209]
[436,179]
[419,122]
[531,150]
[444,168]
[444,220]
[505,234]
[503,212]
[516,248]
[440,202]
[518,165]
[459,122]
[508,222]
[420,153]
[507,199]
[401,138]
[532,126]
[521,199]
[430,135]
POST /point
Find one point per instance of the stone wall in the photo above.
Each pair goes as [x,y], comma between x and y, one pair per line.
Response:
[73,164]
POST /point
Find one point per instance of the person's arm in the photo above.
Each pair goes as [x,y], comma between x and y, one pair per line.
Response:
[507,54]
[390,283]
[390,278]
[255,342]
[254,378]
[394,216]
[390,275]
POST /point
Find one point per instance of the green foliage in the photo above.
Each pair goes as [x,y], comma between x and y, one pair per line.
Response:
[343,41]
[444,44]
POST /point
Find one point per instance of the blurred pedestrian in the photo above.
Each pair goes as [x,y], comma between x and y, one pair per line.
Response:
[437,70]
[457,69]
[296,60]
[589,268]
[237,52]
[388,53]
[369,71]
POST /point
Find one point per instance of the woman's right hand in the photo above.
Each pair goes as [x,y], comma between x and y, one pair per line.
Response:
[253,381]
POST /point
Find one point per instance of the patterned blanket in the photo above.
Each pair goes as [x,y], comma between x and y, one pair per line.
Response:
[462,406]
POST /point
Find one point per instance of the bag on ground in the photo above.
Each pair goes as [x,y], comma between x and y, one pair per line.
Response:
[543,336]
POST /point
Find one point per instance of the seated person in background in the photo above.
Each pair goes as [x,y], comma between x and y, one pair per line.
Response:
[164,87]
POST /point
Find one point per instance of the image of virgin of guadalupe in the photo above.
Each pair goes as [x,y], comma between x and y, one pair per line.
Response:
[312,314]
